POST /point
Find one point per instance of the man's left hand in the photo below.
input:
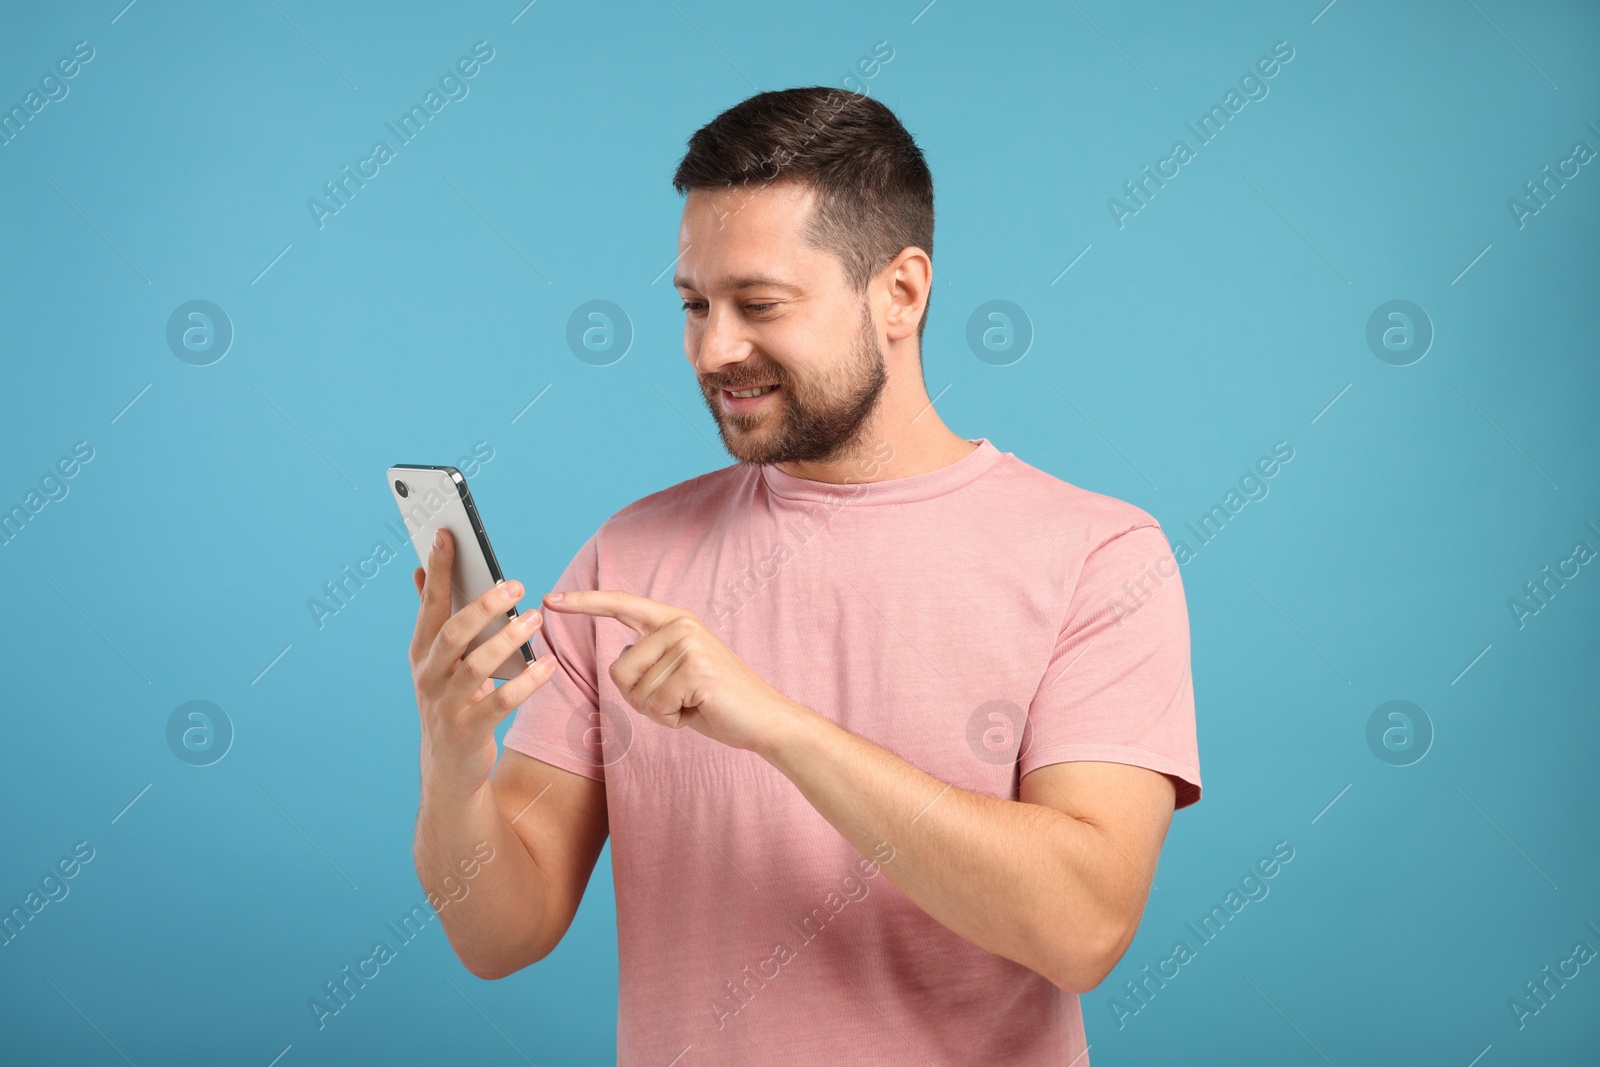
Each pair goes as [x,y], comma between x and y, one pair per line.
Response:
[679,673]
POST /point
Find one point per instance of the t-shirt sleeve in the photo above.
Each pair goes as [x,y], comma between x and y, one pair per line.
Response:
[1118,687]
[560,722]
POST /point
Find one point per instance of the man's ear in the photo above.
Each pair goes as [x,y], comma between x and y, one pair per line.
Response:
[909,276]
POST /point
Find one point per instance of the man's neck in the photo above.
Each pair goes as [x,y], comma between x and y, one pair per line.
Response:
[905,436]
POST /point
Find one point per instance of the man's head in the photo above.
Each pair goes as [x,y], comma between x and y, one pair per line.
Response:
[806,244]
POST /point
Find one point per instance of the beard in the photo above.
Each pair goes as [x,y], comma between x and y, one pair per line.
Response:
[812,421]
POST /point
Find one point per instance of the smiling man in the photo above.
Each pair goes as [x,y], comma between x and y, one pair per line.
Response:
[938,702]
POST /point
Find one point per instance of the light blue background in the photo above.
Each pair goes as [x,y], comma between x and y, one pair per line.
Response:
[427,314]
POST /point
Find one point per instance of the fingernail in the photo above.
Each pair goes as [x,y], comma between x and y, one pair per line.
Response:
[438,538]
[554,597]
[515,589]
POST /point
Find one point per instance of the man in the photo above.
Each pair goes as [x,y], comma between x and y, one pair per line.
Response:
[938,701]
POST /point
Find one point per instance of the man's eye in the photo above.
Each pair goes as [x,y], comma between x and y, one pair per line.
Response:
[695,305]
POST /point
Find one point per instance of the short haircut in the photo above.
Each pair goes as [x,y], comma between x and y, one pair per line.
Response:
[875,192]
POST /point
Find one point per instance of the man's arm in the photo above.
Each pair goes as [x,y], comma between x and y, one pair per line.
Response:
[1055,881]
[504,847]
[545,826]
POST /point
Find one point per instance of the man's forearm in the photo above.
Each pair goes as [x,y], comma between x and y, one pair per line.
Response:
[1020,880]
[493,918]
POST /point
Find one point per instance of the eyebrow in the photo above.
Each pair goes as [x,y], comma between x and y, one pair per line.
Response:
[748,281]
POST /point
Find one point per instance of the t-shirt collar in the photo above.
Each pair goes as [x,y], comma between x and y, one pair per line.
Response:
[924,486]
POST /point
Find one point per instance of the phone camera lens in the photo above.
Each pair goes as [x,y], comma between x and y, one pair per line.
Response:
[400,487]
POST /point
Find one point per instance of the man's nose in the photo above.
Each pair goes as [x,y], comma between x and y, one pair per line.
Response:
[721,342]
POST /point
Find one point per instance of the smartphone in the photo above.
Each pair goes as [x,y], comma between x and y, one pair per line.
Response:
[431,498]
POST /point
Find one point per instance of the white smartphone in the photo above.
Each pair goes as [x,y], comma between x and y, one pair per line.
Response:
[431,498]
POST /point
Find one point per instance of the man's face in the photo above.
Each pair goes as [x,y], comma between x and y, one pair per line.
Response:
[763,308]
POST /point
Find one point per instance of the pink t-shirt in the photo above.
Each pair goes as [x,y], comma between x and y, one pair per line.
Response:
[935,615]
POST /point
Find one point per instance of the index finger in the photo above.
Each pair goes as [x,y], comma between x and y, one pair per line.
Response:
[459,630]
[435,607]
[639,613]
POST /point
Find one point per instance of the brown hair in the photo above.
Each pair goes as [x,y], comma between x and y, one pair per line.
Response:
[875,190]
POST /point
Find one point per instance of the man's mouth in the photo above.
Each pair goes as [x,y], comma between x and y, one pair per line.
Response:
[747,399]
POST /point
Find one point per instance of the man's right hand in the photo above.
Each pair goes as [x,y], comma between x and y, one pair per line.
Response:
[456,696]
